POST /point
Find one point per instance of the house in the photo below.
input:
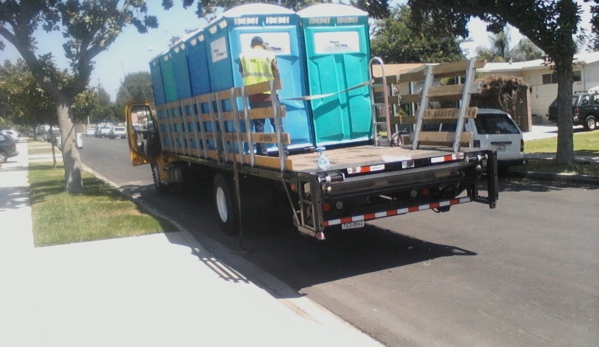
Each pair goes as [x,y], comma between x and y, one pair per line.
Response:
[543,82]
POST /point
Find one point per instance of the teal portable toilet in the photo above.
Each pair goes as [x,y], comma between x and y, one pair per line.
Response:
[337,50]
[159,89]
[168,76]
[157,86]
[169,81]
[231,33]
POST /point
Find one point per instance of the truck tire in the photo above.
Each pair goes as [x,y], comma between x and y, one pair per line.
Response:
[590,123]
[3,157]
[158,184]
[224,201]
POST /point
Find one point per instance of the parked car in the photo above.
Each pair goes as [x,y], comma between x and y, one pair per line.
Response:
[103,131]
[8,148]
[12,133]
[118,132]
[78,140]
[493,130]
[55,137]
[585,110]
[91,131]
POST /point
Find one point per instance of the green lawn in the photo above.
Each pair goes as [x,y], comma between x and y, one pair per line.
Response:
[100,212]
[585,144]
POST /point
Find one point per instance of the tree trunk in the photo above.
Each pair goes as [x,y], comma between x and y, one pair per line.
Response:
[70,152]
[565,137]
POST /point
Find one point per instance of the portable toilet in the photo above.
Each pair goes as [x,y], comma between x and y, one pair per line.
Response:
[168,76]
[181,69]
[230,35]
[337,50]
[157,85]
[199,76]
[162,81]
[197,62]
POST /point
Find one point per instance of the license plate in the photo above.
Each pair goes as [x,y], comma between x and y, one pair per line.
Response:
[353,225]
[500,148]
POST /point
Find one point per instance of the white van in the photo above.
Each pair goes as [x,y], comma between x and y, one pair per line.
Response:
[494,130]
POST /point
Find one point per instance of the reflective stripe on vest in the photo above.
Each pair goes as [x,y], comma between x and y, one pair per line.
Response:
[257,66]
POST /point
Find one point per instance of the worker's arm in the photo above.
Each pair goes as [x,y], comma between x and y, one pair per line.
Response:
[275,69]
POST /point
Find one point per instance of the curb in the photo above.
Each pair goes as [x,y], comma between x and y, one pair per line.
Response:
[285,295]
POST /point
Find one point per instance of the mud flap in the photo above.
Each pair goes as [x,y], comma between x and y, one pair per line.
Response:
[492,180]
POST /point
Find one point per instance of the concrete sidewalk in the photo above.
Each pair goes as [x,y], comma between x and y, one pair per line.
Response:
[156,290]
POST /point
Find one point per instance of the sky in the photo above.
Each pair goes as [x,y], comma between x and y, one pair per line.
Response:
[132,51]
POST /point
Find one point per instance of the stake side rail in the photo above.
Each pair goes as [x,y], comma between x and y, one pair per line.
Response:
[217,126]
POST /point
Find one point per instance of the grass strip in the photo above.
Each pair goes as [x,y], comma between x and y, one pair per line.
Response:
[585,144]
[100,212]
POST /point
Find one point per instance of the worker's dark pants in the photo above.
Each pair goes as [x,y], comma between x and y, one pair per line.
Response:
[262,148]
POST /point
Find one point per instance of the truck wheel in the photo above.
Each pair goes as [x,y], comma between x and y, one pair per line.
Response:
[158,184]
[224,202]
[591,123]
[3,157]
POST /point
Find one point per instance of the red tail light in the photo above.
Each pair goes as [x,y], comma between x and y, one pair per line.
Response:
[576,111]
[522,145]
[476,143]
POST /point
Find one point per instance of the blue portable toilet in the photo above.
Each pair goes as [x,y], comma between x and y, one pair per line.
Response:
[181,70]
[231,34]
[337,50]
[197,62]
[199,76]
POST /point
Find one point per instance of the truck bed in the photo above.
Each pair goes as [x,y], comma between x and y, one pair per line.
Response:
[364,155]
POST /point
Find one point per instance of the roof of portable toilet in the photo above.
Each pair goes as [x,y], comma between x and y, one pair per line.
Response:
[331,10]
[256,9]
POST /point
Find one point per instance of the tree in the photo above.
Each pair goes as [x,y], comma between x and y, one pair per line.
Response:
[207,8]
[136,86]
[23,98]
[500,48]
[526,50]
[550,25]
[89,28]
[397,41]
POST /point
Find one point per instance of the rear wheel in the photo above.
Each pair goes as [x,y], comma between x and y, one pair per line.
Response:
[224,202]
[590,123]
[3,157]
[158,184]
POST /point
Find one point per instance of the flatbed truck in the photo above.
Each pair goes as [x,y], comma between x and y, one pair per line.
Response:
[382,178]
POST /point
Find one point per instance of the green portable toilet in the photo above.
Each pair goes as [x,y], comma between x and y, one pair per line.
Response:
[337,50]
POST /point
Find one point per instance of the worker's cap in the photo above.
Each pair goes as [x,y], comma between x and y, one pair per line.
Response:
[257,41]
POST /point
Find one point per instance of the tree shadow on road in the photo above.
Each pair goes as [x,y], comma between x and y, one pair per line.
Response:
[539,186]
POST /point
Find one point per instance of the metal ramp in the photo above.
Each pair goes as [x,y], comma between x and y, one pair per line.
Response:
[444,95]
[384,101]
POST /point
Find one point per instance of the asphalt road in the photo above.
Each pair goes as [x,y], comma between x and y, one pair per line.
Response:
[524,274]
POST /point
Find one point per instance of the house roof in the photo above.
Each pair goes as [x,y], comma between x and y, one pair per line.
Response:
[579,59]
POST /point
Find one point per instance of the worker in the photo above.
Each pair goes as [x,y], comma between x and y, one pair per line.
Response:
[259,65]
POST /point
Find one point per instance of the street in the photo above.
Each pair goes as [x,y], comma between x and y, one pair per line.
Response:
[524,274]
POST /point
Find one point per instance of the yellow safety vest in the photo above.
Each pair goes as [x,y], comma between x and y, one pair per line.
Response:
[257,66]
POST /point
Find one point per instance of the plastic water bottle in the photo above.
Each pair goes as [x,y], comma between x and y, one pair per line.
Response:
[323,161]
